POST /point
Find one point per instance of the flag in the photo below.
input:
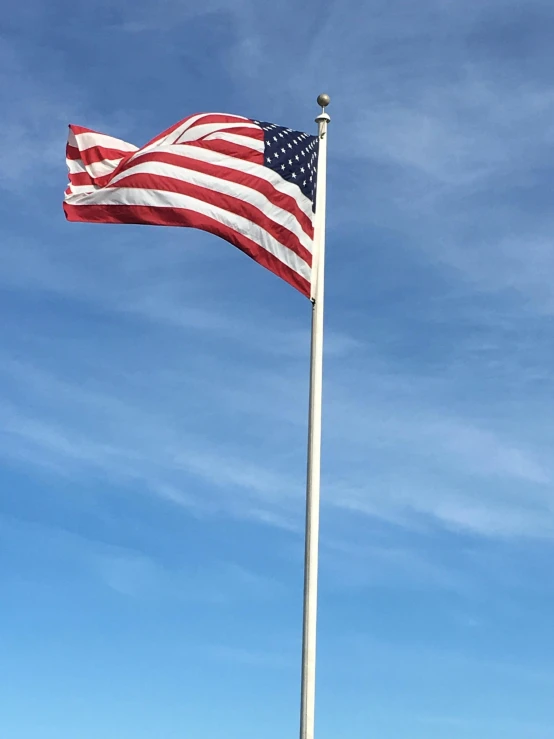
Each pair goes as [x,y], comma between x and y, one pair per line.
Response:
[249,182]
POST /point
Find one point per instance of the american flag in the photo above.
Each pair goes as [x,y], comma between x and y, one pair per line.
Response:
[249,182]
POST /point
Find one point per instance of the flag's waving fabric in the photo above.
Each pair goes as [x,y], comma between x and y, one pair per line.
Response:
[248,182]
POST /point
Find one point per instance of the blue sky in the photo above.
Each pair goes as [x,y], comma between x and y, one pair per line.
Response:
[153,383]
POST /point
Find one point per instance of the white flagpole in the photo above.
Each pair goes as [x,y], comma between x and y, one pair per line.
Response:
[307,710]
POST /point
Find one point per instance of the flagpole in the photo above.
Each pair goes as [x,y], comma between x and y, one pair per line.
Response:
[307,709]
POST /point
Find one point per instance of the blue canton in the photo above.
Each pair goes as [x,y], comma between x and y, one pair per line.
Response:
[293,155]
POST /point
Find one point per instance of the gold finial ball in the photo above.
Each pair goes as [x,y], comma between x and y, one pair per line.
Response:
[323,100]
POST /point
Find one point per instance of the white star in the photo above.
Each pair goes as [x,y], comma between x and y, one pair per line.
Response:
[297,158]
[282,166]
[282,135]
[293,176]
[302,170]
[283,150]
[275,138]
[294,141]
[304,183]
[290,162]
[290,146]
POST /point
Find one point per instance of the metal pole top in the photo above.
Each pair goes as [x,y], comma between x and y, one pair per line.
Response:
[324,101]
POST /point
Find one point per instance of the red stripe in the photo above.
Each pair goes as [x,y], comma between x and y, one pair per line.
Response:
[204,118]
[222,121]
[95,154]
[80,129]
[229,203]
[252,133]
[210,118]
[81,178]
[72,152]
[276,197]
[229,148]
[142,214]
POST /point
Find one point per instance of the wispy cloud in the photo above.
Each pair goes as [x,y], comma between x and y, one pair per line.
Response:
[249,658]
[139,574]
[111,427]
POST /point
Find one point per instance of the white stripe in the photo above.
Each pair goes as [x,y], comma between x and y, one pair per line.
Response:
[82,189]
[75,166]
[235,138]
[200,131]
[71,140]
[216,184]
[96,169]
[161,199]
[252,168]
[89,140]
